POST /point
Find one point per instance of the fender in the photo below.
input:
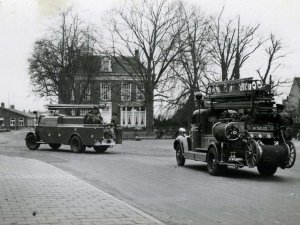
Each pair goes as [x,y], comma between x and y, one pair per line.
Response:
[74,134]
[34,133]
[217,146]
[182,140]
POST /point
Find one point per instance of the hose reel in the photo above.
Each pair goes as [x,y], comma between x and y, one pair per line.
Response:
[256,152]
[226,131]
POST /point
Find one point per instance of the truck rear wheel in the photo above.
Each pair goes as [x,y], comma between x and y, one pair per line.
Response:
[265,169]
[54,146]
[76,144]
[31,142]
[213,166]
[100,149]
[179,156]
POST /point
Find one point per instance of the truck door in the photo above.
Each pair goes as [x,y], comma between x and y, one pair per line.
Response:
[195,134]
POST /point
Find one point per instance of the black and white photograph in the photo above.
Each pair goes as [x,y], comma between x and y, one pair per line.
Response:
[149,112]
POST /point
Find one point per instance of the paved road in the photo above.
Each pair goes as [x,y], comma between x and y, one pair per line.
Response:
[144,173]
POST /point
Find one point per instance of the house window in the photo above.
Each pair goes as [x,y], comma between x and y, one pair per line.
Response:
[126,92]
[83,112]
[85,90]
[1,121]
[12,122]
[21,122]
[105,91]
[133,116]
[72,95]
[106,64]
[140,92]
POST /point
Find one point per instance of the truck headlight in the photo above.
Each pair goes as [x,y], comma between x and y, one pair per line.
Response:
[181,131]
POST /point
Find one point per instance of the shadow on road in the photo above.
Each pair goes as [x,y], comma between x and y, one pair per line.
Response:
[88,151]
[243,174]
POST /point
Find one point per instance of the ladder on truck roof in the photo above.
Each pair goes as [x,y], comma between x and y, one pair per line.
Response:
[240,93]
[74,106]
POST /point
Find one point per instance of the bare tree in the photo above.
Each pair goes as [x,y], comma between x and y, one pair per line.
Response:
[232,45]
[57,59]
[274,54]
[190,68]
[147,32]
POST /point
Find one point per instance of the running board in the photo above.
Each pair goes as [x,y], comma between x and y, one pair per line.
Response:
[197,156]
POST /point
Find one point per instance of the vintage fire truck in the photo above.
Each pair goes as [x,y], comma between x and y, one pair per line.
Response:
[236,126]
[56,129]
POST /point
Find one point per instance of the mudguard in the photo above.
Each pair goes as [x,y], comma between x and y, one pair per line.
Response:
[216,145]
[183,141]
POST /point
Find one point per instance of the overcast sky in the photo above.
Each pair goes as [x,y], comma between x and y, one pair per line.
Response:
[22,22]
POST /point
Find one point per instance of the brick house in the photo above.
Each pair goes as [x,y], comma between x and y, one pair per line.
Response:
[12,119]
[292,102]
[115,88]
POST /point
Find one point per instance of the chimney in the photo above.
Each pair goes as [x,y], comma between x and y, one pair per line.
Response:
[12,106]
[2,105]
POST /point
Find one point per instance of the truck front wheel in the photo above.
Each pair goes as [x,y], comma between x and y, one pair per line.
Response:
[179,155]
[76,144]
[31,142]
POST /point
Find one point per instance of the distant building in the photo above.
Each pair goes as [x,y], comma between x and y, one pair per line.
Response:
[12,119]
[114,87]
[292,102]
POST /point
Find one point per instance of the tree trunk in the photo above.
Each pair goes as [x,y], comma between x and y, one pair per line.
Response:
[224,72]
[149,115]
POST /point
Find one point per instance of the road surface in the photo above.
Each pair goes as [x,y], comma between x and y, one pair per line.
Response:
[145,174]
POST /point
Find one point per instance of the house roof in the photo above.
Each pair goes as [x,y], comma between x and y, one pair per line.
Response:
[297,81]
[24,114]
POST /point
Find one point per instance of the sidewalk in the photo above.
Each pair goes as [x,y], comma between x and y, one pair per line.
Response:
[34,192]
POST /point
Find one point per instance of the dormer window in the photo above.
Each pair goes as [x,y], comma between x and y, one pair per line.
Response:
[106,64]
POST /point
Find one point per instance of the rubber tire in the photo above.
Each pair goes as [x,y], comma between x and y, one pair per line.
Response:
[31,142]
[100,149]
[76,144]
[54,146]
[179,156]
[213,167]
[266,169]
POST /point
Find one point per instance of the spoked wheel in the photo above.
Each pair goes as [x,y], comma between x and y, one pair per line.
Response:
[54,146]
[100,149]
[179,156]
[292,155]
[213,166]
[31,142]
[76,145]
[266,169]
[252,153]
